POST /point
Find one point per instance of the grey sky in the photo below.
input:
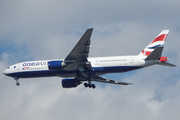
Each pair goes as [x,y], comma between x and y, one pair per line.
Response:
[49,29]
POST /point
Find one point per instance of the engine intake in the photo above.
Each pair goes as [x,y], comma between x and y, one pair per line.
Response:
[70,83]
[55,65]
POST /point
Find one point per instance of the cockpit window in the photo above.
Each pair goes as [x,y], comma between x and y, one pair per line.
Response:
[8,67]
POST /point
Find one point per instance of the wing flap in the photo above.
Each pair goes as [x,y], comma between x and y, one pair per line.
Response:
[106,80]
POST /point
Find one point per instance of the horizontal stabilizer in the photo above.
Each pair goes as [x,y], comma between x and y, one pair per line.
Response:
[166,64]
[156,54]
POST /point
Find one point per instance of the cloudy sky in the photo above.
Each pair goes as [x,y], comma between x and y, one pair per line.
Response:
[49,29]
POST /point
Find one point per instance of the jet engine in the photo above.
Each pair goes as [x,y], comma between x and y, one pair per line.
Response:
[56,65]
[70,83]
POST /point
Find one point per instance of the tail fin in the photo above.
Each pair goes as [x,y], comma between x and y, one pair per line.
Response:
[154,50]
[155,47]
[155,54]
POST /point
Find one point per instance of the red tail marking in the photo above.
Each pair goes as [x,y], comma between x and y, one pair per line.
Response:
[160,38]
[146,53]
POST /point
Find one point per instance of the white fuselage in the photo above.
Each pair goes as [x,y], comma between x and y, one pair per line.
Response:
[101,65]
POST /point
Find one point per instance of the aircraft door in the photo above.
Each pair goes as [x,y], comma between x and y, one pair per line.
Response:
[96,61]
[131,60]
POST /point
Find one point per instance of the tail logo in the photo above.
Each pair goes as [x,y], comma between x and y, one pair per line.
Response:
[154,47]
[146,53]
[160,38]
[157,42]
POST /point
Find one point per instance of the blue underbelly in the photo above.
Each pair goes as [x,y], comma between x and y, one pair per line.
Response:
[115,69]
[62,73]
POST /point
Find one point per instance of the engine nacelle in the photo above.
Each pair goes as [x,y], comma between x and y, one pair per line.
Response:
[70,83]
[55,65]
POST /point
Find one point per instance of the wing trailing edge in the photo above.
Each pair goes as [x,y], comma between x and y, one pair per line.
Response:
[106,80]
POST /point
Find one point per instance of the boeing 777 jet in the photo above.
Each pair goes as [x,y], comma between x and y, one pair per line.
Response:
[77,68]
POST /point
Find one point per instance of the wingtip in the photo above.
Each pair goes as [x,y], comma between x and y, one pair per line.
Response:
[90,29]
[130,84]
[123,83]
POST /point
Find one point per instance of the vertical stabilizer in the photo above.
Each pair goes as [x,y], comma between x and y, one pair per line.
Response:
[158,42]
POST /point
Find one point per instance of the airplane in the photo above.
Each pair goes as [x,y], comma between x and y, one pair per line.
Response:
[77,68]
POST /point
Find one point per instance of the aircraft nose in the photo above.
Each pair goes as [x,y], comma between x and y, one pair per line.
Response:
[5,72]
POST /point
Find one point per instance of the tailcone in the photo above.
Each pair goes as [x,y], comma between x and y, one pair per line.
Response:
[163,59]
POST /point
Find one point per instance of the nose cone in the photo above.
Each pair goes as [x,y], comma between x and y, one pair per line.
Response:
[8,72]
[5,72]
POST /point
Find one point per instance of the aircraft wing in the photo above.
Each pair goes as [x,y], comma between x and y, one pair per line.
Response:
[77,58]
[106,80]
[81,51]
